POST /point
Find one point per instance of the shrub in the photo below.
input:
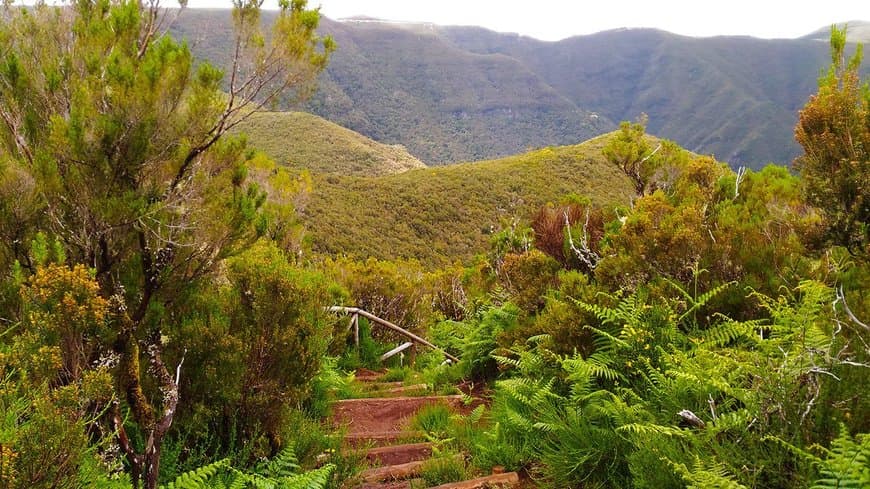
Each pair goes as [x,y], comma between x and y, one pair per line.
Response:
[254,347]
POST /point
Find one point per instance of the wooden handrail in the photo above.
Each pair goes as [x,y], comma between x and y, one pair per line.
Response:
[387,324]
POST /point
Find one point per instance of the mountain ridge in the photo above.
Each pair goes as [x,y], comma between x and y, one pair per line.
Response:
[453,94]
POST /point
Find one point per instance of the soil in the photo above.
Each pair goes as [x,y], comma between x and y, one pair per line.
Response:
[383,415]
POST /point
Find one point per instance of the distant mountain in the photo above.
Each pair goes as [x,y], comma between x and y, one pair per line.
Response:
[443,214]
[734,97]
[407,83]
[464,93]
[305,141]
[857,31]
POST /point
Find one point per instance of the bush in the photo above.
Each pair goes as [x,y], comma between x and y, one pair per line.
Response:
[254,347]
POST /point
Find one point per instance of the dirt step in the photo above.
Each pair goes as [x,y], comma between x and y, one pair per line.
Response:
[377,385]
[380,438]
[366,375]
[385,485]
[381,390]
[399,454]
[508,479]
[382,415]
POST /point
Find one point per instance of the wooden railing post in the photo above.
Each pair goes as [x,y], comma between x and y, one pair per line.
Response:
[355,312]
[355,320]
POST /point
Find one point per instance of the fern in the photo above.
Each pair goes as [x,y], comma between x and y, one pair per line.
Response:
[705,475]
[646,431]
[279,473]
[313,479]
[847,464]
[198,478]
[284,464]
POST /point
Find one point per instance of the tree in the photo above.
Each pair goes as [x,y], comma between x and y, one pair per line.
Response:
[122,136]
[834,131]
[630,151]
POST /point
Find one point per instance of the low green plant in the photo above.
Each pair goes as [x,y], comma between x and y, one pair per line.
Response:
[329,384]
[434,420]
[443,469]
[397,374]
[490,447]
[282,471]
[364,355]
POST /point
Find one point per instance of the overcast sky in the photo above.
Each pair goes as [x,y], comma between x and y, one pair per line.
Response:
[557,19]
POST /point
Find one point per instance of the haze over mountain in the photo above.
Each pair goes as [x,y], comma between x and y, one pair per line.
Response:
[453,94]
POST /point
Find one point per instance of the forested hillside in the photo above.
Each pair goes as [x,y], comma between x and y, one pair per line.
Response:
[447,214]
[464,93]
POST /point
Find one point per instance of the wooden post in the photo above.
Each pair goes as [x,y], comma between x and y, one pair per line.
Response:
[355,321]
[412,355]
[387,324]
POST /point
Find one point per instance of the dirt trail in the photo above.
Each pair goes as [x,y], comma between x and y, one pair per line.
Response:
[383,423]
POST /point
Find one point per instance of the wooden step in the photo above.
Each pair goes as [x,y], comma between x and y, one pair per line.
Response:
[396,472]
[385,485]
[380,437]
[399,454]
[508,479]
[374,386]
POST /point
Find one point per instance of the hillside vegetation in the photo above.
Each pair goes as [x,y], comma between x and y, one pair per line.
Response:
[299,140]
[438,215]
[453,94]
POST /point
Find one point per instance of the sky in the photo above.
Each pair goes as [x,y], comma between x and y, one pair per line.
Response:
[557,19]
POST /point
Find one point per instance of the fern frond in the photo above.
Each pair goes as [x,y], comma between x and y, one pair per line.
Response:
[706,475]
[197,478]
[847,464]
[284,464]
[726,333]
[313,479]
[648,431]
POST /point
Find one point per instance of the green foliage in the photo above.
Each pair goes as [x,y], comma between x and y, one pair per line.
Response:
[117,139]
[834,131]
[281,472]
[846,463]
[297,140]
[441,215]
[631,153]
[255,345]
[197,478]
[434,420]
[443,469]
[390,290]
[610,418]
[528,277]
[329,384]
[479,340]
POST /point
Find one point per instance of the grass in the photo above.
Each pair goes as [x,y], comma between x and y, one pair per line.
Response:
[304,141]
[434,420]
[440,215]
[442,469]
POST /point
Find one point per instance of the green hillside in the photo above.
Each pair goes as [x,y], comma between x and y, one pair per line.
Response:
[304,141]
[438,215]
